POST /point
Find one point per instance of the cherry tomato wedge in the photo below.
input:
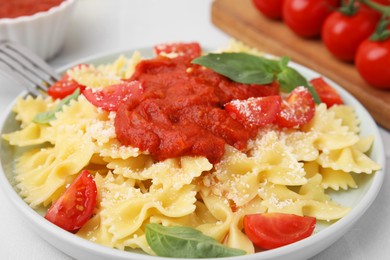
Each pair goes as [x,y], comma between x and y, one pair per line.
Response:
[273,230]
[328,95]
[75,207]
[64,87]
[111,97]
[298,109]
[190,50]
[254,112]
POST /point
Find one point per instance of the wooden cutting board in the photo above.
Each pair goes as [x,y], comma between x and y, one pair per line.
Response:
[242,21]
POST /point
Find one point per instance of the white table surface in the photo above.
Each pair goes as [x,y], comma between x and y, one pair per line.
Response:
[102,26]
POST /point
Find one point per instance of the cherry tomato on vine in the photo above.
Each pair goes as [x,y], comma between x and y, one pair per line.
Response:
[306,17]
[342,34]
[373,62]
[75,207]
[272,230]
[270,8]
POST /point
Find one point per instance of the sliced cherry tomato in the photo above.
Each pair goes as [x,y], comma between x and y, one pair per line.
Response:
[272,230]
[190,50]
[75,207]
[328,95]
[298,109]
[342,34]
[255,112]
[373,62]
[271,9]
[112,96]
[64,87]
[306,17]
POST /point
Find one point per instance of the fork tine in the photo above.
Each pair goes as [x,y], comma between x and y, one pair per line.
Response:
[17,67]
[26,67]
[16,76]
[34,59]
[35,70]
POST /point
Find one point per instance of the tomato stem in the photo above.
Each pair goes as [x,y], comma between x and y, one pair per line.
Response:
[381,32]
[348,7]
[385,10]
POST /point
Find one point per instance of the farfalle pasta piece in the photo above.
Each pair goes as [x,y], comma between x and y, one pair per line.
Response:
[310,200]
[235,177]
[331,133]
[114,149]
[27,108]
[279,163]
[125,208]
[311,168]
[348,117]
[91,77]
[325,121]
[336,179]
[364,144]
[105,75]
[301,144]
[79,113]
[323,210]
[43,173]
[122,67]
[32,134]
[181,171]
[221,211]
[348,160]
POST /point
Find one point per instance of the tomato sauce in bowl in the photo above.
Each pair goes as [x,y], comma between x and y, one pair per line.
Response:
[17,8]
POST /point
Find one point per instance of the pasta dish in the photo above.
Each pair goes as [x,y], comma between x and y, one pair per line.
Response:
[177,141]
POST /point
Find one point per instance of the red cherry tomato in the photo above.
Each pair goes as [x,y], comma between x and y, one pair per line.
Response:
[64,87]
[306,17]
[273,230]
[298,109]
[342,34]
[111,97]
[327,94]
[255,112]
[75,207]
[373,62]
[191,50]
[271,9]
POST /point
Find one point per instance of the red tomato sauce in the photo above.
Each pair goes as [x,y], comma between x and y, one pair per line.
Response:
[16,8]
[181,111]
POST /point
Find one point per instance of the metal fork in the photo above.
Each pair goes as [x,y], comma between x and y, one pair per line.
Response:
[26,67]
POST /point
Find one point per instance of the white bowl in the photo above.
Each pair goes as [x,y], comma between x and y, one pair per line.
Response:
[359,199]
[42,32]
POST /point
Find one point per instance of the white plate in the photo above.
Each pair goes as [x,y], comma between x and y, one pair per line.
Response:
[359,199]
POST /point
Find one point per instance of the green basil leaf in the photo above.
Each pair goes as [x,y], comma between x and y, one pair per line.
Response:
[240,67]
[46,117]
[250,69]
[289,79]
[185,242]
